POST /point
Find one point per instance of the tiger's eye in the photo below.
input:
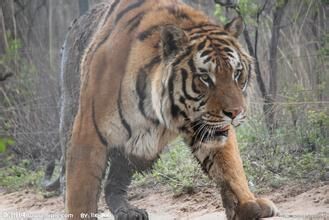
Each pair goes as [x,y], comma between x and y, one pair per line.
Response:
[205,78]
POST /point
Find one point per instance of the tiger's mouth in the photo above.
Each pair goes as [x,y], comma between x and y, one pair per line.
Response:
[204,132]
[221,131]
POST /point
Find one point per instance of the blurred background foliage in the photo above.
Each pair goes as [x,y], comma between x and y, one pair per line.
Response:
[285,139]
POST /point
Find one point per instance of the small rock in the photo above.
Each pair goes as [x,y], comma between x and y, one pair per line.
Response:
[326,201]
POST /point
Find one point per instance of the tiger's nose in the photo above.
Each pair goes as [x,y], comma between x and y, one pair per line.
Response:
[232,113]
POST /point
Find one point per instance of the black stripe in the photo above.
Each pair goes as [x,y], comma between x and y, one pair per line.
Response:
[186,53]
[212,121]
[217,45]
[141,90]
[182,113]
[163,132]
[113,5]
[153,62]
[202,26]
[219,33]
[135,21]
[207,28]
[129,8]
[202,45]
[221,41]
[202,103]
[123,120]
[195,147]
[192,66]
[213,115]
[98,132]
[141,85]
[196,37]
[177,13]
[207,163]
[204,164]
[205,53]
[207,60]
[147,33]
[174,108]
[184,78]
[228,50]
[183,101]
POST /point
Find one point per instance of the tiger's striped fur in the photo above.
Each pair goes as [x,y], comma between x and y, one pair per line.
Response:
[153,70]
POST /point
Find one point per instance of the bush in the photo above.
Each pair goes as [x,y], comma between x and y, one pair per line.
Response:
[26,113]
[177,168]
[20,176]
[296,151]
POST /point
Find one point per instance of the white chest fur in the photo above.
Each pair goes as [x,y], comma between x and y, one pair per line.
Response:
[147,142]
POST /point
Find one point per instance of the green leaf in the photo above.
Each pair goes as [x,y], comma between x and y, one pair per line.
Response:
[2,146]
[4,142]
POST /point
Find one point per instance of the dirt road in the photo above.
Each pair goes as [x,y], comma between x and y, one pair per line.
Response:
[294,202]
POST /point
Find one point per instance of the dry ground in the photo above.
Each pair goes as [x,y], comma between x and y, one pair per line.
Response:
[295,202]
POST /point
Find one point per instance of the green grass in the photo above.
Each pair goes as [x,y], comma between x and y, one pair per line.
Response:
[177,169]
[20,176]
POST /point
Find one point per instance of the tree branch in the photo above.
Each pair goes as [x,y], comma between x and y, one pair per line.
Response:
[3,77]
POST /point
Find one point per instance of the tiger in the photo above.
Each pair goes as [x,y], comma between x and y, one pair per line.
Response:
[151,71]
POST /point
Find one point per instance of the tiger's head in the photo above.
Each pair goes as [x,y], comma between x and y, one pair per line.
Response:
[204,80]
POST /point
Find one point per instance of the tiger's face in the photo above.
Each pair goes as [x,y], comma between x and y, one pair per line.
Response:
[208,74]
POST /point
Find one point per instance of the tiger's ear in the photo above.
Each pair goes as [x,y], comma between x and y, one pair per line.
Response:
[172,40]
[235,27]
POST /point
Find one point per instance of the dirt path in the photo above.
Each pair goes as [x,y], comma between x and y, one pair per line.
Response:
[294,202]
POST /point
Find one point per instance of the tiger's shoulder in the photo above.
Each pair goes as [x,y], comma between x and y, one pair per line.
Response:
[140,22]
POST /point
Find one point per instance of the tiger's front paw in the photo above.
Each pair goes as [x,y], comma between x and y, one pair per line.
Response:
[131,213]
[255,209]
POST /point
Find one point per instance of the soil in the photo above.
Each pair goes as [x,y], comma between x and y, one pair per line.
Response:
[294,201]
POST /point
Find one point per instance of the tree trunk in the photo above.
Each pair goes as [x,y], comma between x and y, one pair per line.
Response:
[7,27]
[3,37]
[270,98]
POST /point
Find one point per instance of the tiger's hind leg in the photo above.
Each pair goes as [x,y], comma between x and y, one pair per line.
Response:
[119,178]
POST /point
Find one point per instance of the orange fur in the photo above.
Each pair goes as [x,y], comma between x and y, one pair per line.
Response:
[131,84]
